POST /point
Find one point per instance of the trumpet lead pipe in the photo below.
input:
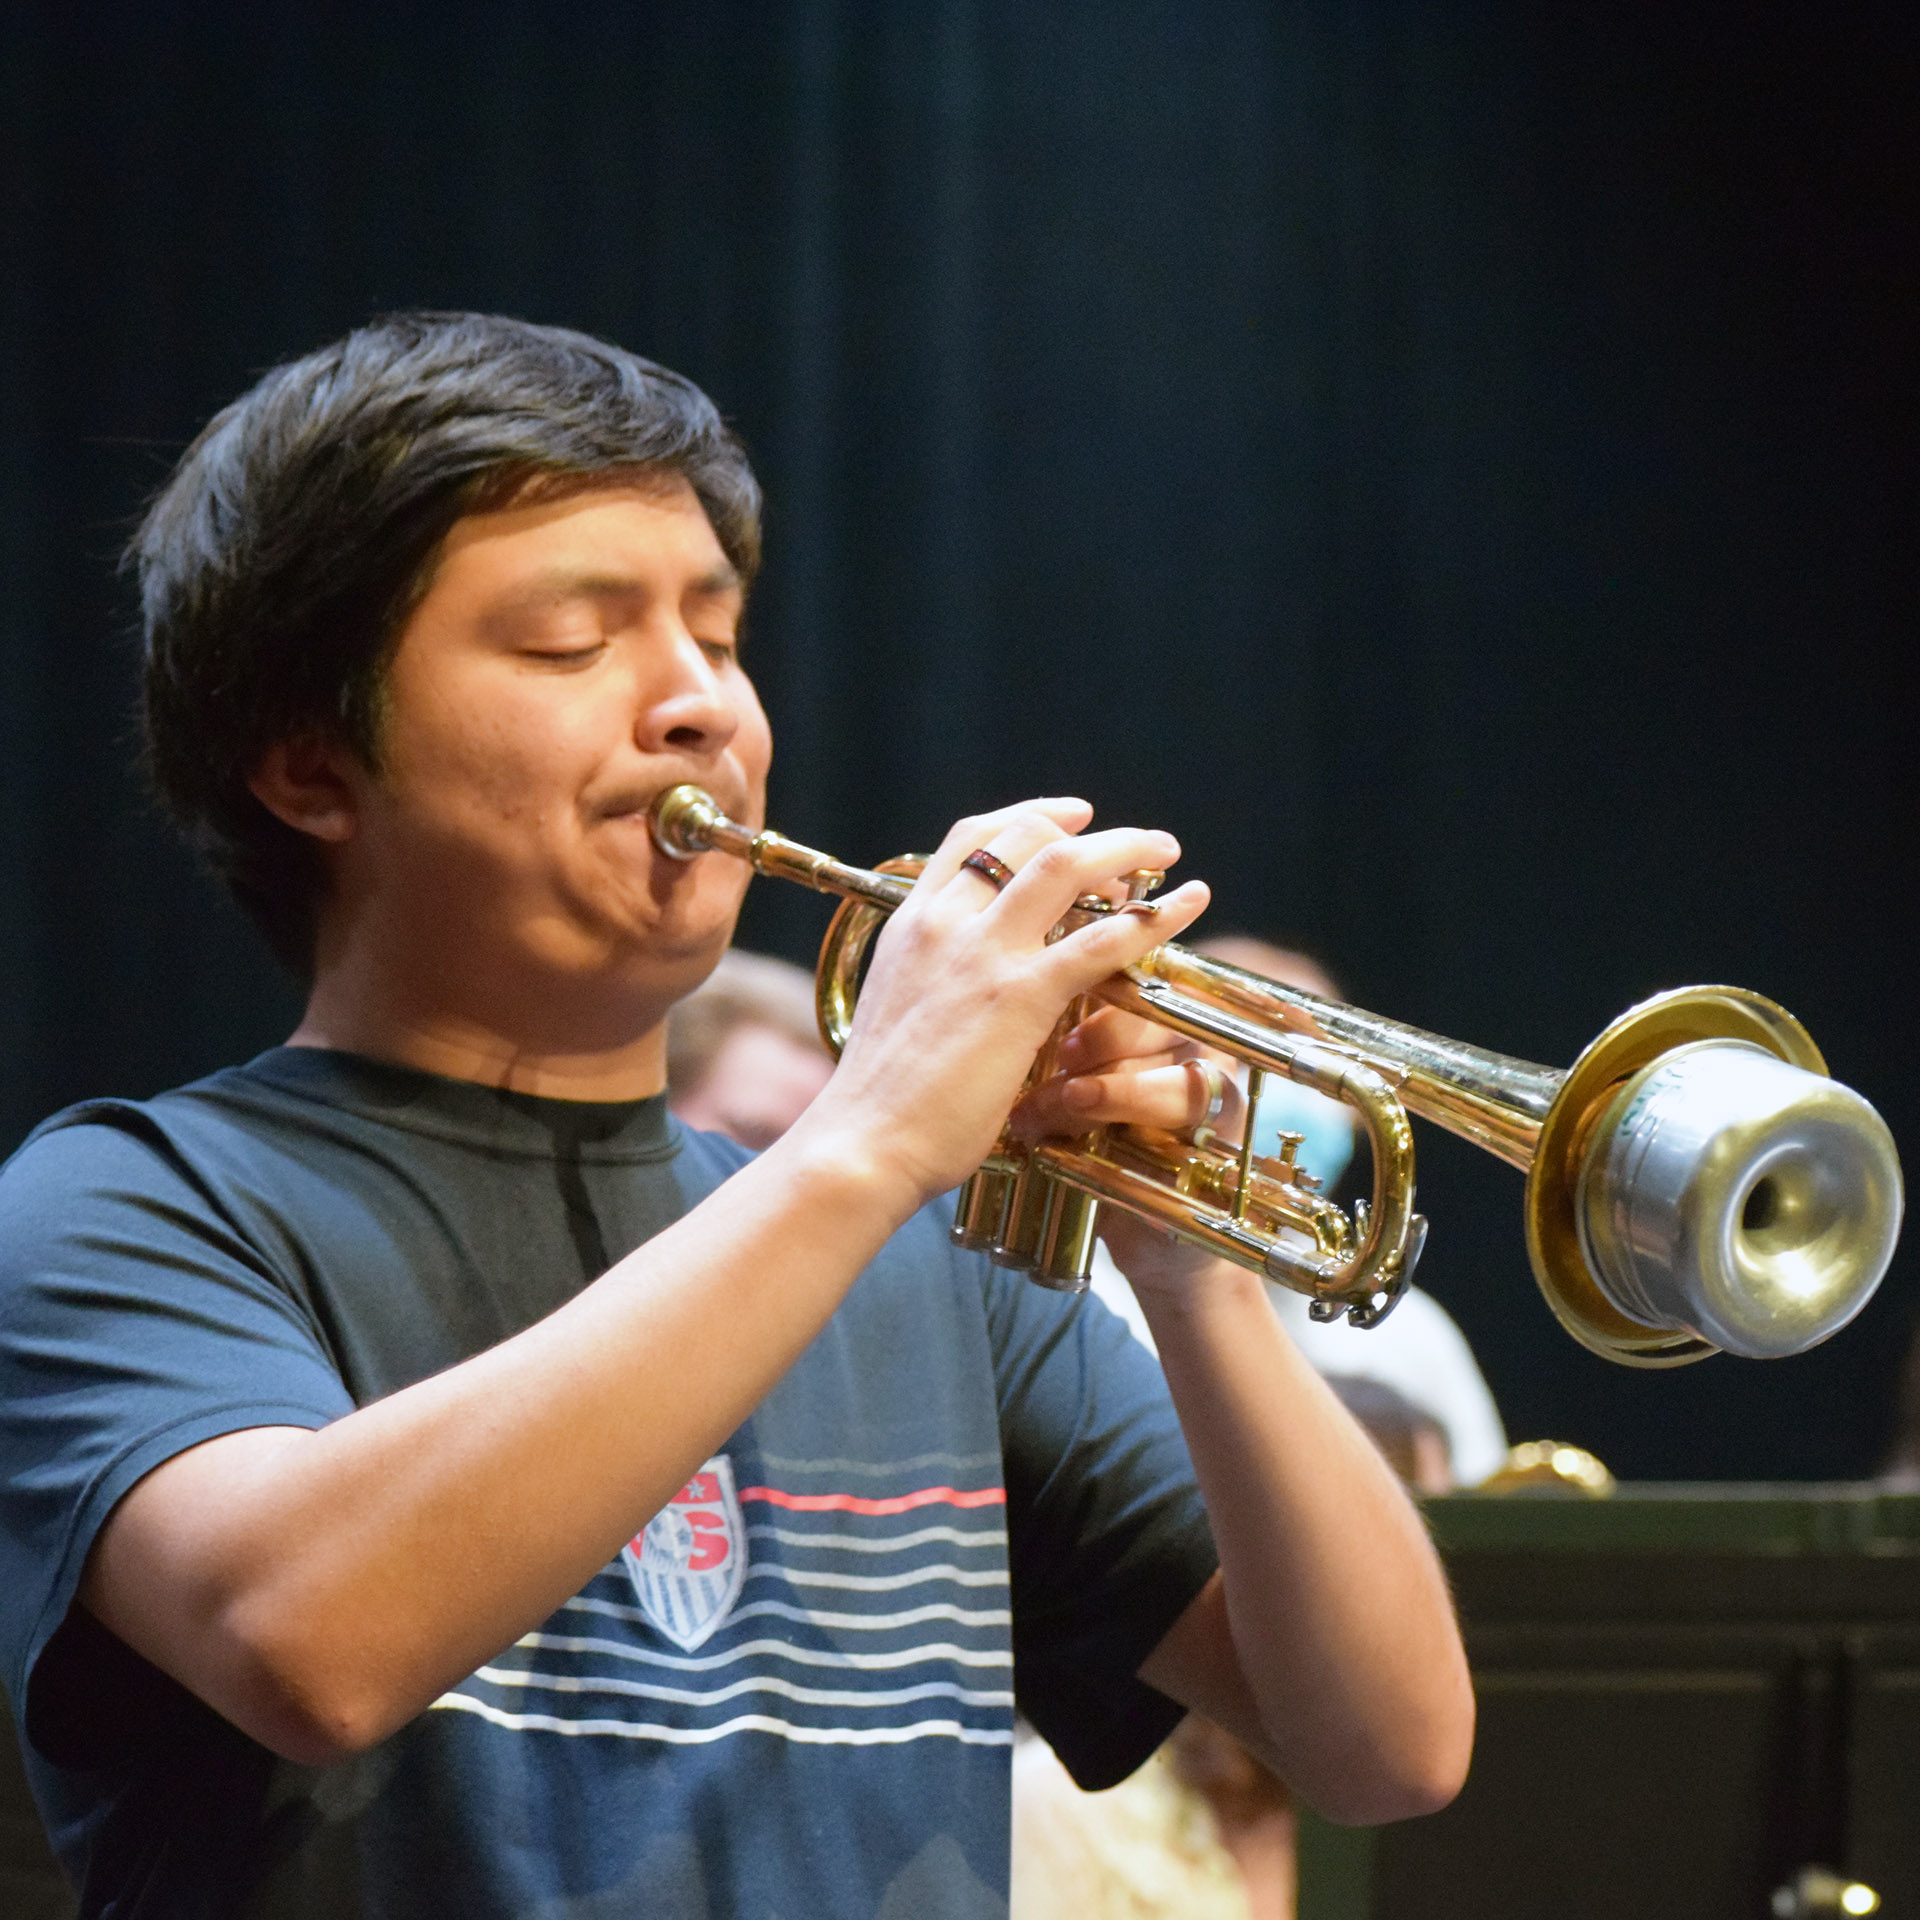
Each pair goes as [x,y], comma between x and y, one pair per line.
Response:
[687,822]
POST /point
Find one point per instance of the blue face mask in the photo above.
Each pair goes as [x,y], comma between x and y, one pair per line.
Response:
[1328,1126]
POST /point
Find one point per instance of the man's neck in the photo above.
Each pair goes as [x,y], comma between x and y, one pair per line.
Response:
[459,1044]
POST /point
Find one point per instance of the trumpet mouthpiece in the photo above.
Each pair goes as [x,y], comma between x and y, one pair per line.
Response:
[683,820]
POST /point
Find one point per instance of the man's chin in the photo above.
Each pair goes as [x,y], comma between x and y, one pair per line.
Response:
[644,931]
[682,948]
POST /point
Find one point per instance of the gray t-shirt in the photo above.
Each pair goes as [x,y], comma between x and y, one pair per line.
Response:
[792,1694]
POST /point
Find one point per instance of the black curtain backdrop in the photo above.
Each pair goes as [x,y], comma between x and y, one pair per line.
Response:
[1455,466]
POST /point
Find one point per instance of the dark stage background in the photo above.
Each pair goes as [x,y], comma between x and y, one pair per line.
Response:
[1453,465]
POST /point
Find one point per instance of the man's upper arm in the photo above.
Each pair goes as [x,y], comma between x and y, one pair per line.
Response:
[136,1323]
[155,1557]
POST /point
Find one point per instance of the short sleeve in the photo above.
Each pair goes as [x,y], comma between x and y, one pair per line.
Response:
[135,1321]
[1107,1536]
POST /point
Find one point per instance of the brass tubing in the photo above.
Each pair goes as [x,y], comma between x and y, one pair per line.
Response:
[1219,1232]
[1256,1080]
[980,1214]
[1492,1099]
[1640,1220]
[687,822]
[1327,1071]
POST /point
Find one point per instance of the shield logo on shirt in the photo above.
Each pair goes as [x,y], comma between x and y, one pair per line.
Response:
[687,1567]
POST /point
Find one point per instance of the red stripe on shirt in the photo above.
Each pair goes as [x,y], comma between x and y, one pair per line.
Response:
[854,1503]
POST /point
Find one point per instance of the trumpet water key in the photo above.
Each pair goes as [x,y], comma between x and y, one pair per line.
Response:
[1694,1182]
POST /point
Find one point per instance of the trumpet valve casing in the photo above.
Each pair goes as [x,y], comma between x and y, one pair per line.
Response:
[980,1213]
[1018,1246]
[1066,1239]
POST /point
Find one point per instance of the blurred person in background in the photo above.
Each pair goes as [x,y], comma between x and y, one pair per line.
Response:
[1414,1442]
[744,1053]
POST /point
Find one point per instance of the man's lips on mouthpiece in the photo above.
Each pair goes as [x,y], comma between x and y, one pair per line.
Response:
[626,805]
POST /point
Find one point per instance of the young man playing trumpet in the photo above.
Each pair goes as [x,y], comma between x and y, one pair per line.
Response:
[433,1483]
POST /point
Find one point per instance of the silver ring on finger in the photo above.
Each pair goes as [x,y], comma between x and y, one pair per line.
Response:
[1213,1083]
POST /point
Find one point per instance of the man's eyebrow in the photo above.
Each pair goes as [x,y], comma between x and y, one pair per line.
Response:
[567,583]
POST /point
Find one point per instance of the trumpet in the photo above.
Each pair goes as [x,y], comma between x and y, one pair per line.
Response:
[1695,1182]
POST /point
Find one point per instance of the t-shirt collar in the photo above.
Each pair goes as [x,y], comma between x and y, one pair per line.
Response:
[468,1111]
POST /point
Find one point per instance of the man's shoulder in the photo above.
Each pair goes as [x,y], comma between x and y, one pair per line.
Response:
[116,1179]
[118,1132]
[109,1116]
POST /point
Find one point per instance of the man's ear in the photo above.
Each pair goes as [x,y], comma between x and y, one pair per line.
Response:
[304,782]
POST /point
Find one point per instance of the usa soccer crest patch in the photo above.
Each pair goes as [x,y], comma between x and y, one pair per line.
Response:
[688,1566]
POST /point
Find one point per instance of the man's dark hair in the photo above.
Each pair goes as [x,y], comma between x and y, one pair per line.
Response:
[300,529]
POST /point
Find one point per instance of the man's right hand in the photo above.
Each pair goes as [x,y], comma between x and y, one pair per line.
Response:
[965,987]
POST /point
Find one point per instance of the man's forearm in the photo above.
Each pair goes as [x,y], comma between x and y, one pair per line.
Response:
[321,1588]
[1331,1596]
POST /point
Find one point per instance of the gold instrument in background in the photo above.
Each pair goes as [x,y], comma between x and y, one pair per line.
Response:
[1695,1182]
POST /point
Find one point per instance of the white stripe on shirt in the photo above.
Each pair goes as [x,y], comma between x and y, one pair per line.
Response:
[806,1616]
[746,1723]
[860,1543]
[882,1582]
[780,1649]
[766,1683]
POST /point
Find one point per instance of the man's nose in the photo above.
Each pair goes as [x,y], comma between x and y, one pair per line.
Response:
[686,708]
